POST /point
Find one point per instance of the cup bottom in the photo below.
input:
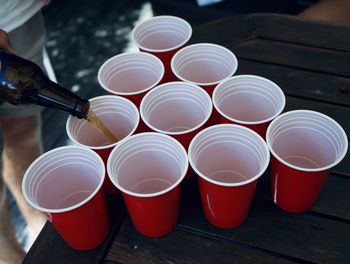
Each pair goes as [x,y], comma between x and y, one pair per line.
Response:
[228,176]
[92,245]
[302,162]
[151,185]
[73,198]
[226,207]
[293,190]
[154,216]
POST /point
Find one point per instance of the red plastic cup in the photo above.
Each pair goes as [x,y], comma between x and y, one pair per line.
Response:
[118,114]
[177,109]
[305,145]
[228,159]
[148,168]
[248,100]
[204,64]
[65,184]
[162,36]
[130,75]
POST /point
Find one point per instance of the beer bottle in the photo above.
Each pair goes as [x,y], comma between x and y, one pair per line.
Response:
[23,82]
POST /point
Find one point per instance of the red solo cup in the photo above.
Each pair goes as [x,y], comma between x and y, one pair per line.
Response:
[228,159]
[305,145]
[204,64]
[130,75]
[162,36]
[118,114]
[148,168]
[177,109]
[248,100]
[65,184]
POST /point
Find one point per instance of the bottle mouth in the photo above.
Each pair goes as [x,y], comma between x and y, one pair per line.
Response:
[81,109]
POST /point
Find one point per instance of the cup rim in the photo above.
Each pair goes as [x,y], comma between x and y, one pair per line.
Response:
[125,54]
[242,76]
[70,117]
[177,132]
[70,208]
[341,130]
[133,32]
[147,195]
[235,184]
[198,45]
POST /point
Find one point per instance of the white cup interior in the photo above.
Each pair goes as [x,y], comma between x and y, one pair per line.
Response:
[147,164]
[204,63]
[307,140]
[118,114]
[63,179]
[176,108]
[248,99]
[130,73]
[228,155]
[162,33]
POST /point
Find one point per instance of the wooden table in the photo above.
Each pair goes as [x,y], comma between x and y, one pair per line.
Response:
[311,63]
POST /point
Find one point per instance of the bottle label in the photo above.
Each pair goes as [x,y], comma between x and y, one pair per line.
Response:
[3,66]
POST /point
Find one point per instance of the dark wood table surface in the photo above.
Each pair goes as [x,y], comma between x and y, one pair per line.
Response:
[311,63]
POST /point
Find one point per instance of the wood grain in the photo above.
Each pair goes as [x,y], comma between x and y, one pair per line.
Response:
[182,246]
[294,56]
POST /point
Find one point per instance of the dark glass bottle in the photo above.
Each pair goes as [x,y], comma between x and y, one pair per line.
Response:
[23,82]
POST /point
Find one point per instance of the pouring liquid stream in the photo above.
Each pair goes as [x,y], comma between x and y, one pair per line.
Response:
[97,123]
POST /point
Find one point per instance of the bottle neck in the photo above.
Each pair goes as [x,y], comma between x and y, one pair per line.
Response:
[55,96]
